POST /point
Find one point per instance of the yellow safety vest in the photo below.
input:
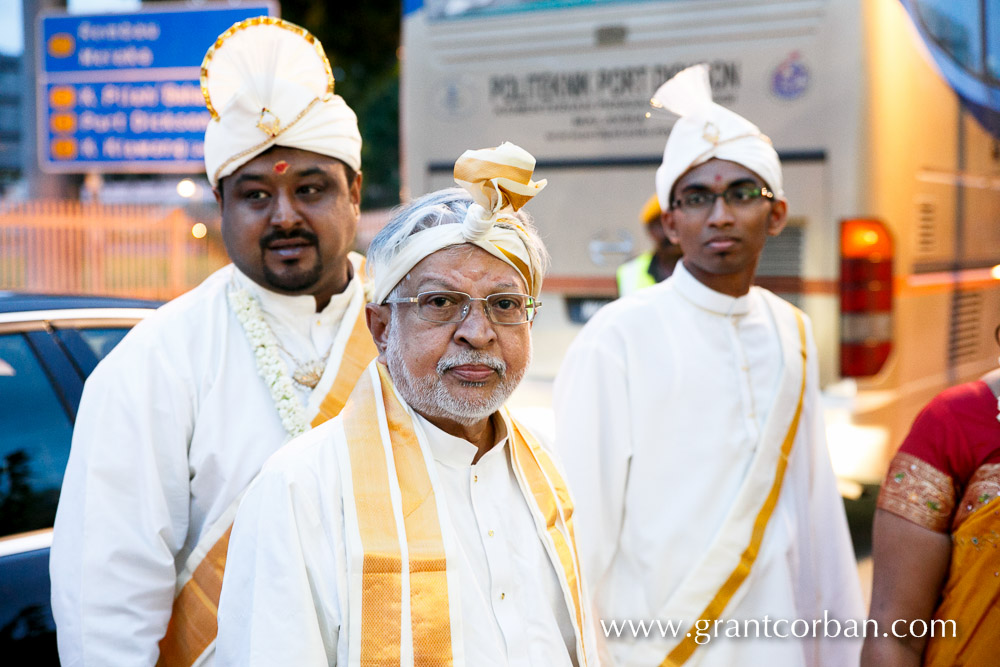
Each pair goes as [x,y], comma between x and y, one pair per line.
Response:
[634,275]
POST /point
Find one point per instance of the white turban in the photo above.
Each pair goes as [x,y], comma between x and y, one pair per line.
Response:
[267,82]
[706,130]
[499,181]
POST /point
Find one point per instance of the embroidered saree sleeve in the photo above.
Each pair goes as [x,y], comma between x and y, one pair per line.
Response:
[919,486]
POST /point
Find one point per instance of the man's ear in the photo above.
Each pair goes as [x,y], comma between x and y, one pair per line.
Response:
[778,217]
[356,193]
[669,225]
[377,318]
[217,191]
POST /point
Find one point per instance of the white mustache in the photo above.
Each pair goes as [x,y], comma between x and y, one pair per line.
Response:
[471,357]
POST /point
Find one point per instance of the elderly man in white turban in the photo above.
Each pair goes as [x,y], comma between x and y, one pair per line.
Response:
[689,418]
[179,418]
[424,525]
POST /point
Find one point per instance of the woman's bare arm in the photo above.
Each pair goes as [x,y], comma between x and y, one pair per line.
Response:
[910,566]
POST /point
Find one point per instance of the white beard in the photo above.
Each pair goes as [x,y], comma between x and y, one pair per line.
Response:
[429,396]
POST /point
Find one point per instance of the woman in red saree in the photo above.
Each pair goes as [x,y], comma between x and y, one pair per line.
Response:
[936,541]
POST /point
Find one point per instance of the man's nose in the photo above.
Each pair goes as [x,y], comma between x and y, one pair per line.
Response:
[284,213]
[721,212]
[476,329]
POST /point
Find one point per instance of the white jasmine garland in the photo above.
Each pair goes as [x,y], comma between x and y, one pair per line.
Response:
[270,365]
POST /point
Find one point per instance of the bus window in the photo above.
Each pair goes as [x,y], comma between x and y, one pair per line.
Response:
[955,26]
[993,40]
[437,9]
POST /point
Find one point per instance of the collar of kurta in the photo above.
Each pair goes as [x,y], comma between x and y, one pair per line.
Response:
[705,297]
[296,307]
[456,452]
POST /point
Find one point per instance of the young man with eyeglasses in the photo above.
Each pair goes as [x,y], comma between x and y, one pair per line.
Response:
[690,422]
[424,525]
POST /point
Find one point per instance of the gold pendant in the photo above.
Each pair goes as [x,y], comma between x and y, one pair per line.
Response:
[309,373]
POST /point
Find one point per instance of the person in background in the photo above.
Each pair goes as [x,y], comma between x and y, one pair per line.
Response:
[178,419]
[689,419]
[654,265]
[936,541]
[423,525]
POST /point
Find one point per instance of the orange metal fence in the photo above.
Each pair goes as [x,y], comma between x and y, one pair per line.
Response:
[73,248]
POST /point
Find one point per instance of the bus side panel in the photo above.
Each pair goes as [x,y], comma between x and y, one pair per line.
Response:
[928,169]
[580,106]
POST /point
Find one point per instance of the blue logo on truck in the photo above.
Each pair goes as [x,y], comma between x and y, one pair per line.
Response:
[790,79]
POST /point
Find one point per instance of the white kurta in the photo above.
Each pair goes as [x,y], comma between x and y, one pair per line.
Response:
[285,596]
[172,427]
[660,404]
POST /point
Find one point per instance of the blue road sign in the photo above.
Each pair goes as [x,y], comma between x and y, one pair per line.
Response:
[121,92]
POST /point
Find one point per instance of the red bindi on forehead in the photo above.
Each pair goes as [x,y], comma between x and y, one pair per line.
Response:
[280,167]
[718,178]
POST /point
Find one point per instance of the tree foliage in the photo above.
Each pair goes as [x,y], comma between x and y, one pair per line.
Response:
[361,40]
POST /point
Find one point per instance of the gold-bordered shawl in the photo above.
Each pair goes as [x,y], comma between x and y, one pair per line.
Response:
[739,573]
[402,605]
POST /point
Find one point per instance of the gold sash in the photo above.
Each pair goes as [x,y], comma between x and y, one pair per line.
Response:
[687,646]
[358,354]
[971,595]
[395,526]
[193,625]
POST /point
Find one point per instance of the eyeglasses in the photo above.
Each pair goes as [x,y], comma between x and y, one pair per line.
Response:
[453,307]
[737,196]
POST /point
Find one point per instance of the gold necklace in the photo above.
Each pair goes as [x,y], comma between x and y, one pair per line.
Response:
[307,373]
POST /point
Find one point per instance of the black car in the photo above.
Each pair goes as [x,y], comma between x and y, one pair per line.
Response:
[48,347]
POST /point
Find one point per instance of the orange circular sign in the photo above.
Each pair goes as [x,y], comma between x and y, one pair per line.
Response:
[64,149]
[61,45]
[62,96]
[63,122]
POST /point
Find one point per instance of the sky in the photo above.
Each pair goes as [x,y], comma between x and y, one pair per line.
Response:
[11,37]
[11,31]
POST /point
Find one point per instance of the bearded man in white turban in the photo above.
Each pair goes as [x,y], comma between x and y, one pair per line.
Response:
[690,421]
[424,525]
[178,419]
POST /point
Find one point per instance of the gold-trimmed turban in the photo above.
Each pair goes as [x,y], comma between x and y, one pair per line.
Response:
[707,130]
[499,181]
[267,82]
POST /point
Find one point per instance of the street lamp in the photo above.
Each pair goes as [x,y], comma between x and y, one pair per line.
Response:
[186,188]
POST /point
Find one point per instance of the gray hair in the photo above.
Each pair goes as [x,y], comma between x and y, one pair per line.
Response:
[445,207]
